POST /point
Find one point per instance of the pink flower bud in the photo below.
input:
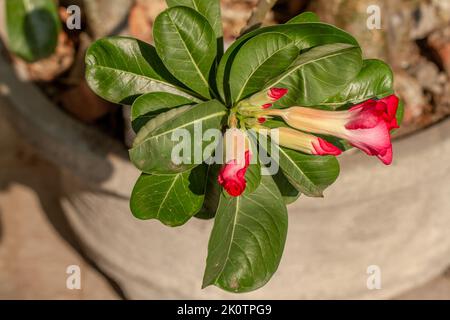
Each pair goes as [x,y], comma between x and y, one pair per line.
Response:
[261,120]
[306,143]
[265,99]
[276,94]
[323,147]
[232,176]
[365,126]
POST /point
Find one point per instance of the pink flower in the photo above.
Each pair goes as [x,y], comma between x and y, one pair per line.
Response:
[306,143]
[365,126]
[232,176]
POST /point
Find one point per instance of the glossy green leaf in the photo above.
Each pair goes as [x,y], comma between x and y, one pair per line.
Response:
[288,191]
[33,27]
[186,43]
[375,80]
[247,239]
[253,178]
[212,193]
[309,174]
[152,148]
[304,17]
[158,121]
[151,104]
[305,36]
[318,74]
[400,112]
[171,199]
[260,59]
[209,9]
[120,69]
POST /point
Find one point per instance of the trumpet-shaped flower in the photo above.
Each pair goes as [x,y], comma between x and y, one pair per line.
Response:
[365,126]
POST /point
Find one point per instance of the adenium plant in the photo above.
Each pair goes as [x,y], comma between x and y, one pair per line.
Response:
[303,85]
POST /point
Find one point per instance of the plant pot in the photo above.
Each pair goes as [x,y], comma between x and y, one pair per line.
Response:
[394,217]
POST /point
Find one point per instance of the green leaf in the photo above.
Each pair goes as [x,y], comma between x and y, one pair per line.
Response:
[309,174]
[400,112]
[260,59]
[375,80]
[209,9]
[253,178]
[186,43]
[305,36]
[247,239]
[120,69]
[33,27]
[151,104]
[157,122]
[153,147]
[318,74]
[212,193]
[304,17]
[171,199]
[287,190]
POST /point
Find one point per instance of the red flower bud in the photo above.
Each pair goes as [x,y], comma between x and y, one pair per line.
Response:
[306,143]
[232,176]
[276,94]
[323,147]
[261,120]
[263,99]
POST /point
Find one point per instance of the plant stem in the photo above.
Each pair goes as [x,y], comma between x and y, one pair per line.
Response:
[232,120]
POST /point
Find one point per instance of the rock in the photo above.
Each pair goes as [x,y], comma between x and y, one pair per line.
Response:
[352,16]
[426,20]
[142,17]
[235,14]
[439,41]
[428,76]
[443,10]
[84,104]
[284,10]
[77,72]
[50,68]
[106,17]
[410,91]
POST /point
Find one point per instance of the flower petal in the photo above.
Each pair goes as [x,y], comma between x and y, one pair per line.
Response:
[323,147]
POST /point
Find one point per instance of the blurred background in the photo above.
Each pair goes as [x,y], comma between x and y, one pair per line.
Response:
[63,150]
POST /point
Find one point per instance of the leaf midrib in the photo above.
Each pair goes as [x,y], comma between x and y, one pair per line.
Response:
[236,211]
[183,126]
[167,194]
[256,69]
[296,166]
[350,100]
[189,53]
[186,94]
